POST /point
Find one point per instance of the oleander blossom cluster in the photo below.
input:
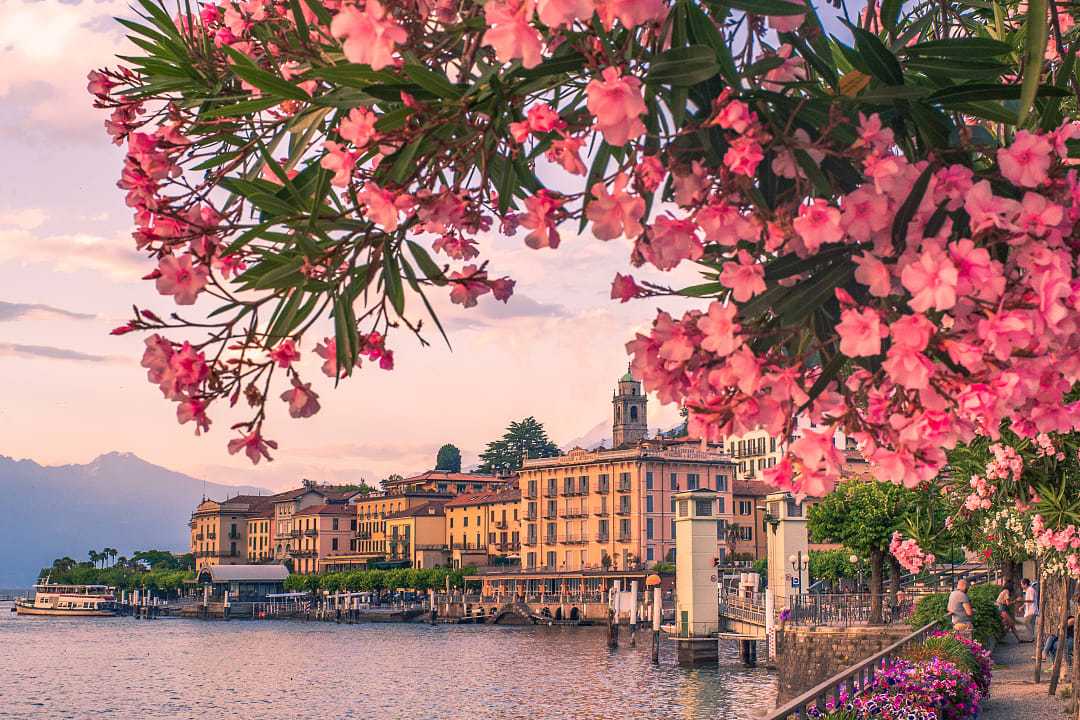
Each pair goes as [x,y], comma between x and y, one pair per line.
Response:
[908,553]
[965,317]
[305,163]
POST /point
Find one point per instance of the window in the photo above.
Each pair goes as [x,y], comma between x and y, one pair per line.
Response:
[461,487]
[745,507]
[333,544]
[648,503]
[673,505]
[624,529]
[551,558]
[583,484]
[674,481]
[721,529]
[672,528]
[530,560]
[568,486]
[602,530]
[692,481]
[702,508]
[465,521]
[650,554]
[532,488]
[720,505]
[648,529]
[552,506]
[603,483]
[551,534]
[451,521]
[648,480]
[684,508]
[553,486]
[721,483]
[334,524]
[624,504]
[532,535]
[772,444]
[746,533]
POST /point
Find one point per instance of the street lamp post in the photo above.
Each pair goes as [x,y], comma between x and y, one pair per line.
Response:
[800,566]
[854,560]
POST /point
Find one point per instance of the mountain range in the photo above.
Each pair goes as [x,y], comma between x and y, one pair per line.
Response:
[117,500]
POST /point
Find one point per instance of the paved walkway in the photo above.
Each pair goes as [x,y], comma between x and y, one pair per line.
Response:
[1013,692]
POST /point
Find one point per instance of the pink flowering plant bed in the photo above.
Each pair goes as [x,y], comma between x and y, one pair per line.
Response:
[881,202]
[933,688]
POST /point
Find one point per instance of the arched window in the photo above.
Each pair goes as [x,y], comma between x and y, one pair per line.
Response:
[633,412]
[618,413]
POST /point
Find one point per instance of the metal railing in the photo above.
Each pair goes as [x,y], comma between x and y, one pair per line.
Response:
[742,608]
[849,682]
[841,610]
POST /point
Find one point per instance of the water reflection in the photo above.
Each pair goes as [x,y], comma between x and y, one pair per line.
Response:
[124,668]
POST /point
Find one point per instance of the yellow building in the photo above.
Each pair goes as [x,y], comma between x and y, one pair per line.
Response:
[483,526]
[219,529]
[259,549]
[417,535]
[614,508]
[325,532]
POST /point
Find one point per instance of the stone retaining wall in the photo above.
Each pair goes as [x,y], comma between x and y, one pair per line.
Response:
[806,656]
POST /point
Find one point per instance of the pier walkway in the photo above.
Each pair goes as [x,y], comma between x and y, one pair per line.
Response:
[1013,692]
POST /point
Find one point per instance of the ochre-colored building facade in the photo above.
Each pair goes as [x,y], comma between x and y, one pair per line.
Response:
[484,525]
[584,506]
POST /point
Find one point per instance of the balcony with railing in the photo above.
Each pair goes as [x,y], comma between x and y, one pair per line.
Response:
[531,515]
[551,540]
[602,537]
[211,536]
[622,510]
[623,537]
[531,540]
[575,539]
[550,514]
[575,511]
[311,533]
[234,535]
[601,510]
[507,547]
[500,524]
[624,486]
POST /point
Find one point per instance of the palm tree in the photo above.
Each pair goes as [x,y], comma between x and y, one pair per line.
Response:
[95,557]
[111,553]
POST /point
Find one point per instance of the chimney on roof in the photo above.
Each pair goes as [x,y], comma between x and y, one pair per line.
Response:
[308,483]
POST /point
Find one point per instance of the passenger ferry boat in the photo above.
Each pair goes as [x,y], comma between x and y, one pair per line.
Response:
[69,600]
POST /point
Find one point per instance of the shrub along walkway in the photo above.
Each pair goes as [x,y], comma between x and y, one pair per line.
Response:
[1013,692]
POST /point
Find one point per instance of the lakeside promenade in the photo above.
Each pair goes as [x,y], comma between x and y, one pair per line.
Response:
[1015,694]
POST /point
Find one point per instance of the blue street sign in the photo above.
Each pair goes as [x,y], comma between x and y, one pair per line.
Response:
[794,582]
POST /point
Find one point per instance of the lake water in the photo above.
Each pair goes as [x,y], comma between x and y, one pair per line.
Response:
[173,668]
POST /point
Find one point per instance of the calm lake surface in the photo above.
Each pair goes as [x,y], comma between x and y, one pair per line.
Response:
[173,668]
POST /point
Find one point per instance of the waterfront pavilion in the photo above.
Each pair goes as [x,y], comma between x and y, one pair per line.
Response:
[245,583]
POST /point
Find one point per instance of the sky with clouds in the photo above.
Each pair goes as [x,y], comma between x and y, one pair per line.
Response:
[69,272]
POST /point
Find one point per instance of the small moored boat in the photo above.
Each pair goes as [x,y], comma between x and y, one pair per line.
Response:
[69,600]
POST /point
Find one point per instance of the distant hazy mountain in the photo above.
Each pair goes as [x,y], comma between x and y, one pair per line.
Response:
[599,435]
[118,500]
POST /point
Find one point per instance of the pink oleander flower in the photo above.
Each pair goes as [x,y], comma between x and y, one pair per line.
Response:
[340,161]
[382,206]
[931,280]
[327,350]
[785,23]
[873,135]
[1026,160]
[870,271]
[669,242]
[540,217]
[615,213]
[616,103]
[369,35]
[510,32]
[691,187]
[556,13]
[860,332]
[817,224]
[745,278]
[631,13]
[566,152]
[302,400]
[865,214]
[724,224]
[467,285]
[502,288]
[358,127]
[254,446]
[720,329]
[623,288]
[649,173]
[285,354]
[179,278]
[99,84]
[735,116]
[193,410]
[744,155]
[188,367]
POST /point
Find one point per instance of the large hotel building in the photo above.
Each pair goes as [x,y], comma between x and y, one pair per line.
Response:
[588,509]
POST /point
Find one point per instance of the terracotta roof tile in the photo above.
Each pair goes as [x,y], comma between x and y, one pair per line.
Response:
[428,509]
[485,498]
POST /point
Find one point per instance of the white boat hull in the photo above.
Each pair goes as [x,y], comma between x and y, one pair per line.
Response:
[21,609]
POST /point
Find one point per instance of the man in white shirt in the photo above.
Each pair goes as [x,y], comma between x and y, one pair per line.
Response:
[1031,605]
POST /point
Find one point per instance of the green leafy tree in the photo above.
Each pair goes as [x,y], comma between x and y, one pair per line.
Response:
[389,479]
[522,438]
[862,515]
[448,459]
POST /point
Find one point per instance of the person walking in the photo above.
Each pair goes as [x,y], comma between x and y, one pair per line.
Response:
[1031,606]
[959,609]
[1004,609]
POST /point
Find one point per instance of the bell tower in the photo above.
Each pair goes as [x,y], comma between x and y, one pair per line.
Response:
[629,425]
